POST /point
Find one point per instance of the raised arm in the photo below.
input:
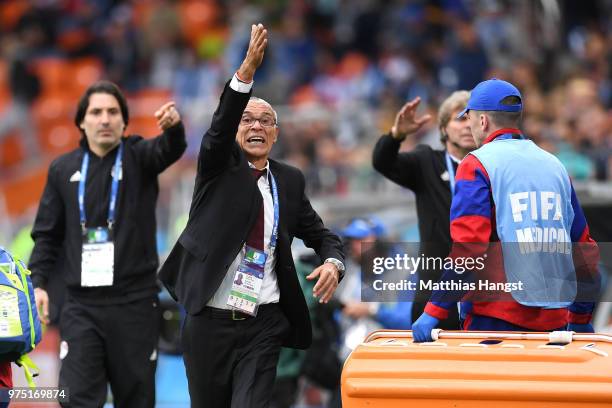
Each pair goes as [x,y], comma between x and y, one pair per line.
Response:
[401,168]
[218,141]
[160,152]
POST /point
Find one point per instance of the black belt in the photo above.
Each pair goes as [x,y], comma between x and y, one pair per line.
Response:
[216,313]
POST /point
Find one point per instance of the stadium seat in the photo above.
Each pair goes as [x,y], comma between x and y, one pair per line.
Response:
[146,101]
[54,74]
[5,93]
[59,137]
[84,72]
[74,39]
[145,126]
[11,152]
[25,191]
[141,11]
[197,17]
[53,116]
[10,13]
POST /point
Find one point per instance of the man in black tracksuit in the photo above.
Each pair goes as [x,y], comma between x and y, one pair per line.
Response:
[98,207]
[430,175]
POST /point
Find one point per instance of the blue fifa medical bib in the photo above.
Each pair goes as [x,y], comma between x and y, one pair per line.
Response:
[533,212]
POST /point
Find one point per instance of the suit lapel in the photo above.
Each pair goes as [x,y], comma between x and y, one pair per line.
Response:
[283,238]
[282,191]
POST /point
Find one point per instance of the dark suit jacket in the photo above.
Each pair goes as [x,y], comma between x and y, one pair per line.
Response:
[421,171]
[226,201]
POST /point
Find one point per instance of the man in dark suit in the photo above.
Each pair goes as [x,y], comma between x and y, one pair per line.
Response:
[245,211]
[430,174]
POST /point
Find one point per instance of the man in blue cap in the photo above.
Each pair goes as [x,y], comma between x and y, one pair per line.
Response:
[511,191]
[363,235]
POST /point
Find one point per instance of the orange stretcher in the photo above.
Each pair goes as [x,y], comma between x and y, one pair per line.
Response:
[479,369]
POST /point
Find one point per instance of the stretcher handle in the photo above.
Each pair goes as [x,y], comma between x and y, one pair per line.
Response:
[553,337]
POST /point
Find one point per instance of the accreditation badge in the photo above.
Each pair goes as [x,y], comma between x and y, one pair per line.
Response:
[97,258]
[248,279]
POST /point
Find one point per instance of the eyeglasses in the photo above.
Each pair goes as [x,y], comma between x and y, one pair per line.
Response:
[265,121]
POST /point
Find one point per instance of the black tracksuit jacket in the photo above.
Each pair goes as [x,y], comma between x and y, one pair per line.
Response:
[57,227]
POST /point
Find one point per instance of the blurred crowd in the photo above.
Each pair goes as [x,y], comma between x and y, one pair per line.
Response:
[337,69]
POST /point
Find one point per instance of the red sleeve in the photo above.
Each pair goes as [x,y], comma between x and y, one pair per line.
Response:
[438,310]
[472,207]
[6,375]
[585,254]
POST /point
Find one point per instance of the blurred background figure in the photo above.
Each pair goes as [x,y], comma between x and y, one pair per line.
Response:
[358,318]
[24,86]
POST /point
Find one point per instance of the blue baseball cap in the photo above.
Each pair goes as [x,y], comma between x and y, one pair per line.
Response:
[377,225]
[487,96]
[358,229]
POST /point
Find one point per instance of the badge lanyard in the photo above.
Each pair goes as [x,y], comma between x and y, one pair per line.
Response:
[248,279]
[274,236]
[451,173]
[114,188]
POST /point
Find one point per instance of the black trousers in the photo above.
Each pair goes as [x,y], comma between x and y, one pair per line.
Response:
[114,343]
[285,392]
[232,363]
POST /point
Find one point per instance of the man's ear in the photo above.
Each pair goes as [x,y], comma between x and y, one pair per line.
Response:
[276,131]
[484,122]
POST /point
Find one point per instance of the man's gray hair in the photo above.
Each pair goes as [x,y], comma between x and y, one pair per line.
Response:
[456,101]
[264,102]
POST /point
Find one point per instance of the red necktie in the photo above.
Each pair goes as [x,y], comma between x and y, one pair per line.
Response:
[256,236]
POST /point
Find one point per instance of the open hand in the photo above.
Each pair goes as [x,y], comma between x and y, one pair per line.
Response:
[328,281]
[255,53]
[406,122]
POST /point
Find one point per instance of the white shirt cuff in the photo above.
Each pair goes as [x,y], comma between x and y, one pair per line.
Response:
[373,307]
[238,86]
